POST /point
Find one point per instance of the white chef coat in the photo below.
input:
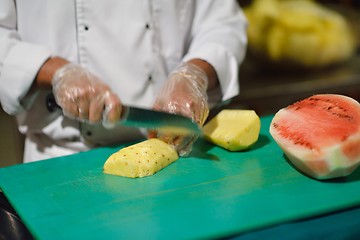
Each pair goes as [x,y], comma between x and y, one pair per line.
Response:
[132,45]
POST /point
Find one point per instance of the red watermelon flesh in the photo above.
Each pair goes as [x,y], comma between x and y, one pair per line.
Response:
[320,135]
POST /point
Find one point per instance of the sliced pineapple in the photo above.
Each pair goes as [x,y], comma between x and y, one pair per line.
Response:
[141,159]
[232,129]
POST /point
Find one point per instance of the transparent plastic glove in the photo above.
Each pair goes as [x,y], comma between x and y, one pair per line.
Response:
[84,97]
[184,93]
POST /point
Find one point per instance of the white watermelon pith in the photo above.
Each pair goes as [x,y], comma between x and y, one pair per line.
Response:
[320,135]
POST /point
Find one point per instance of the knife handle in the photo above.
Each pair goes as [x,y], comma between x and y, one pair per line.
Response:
[51,104]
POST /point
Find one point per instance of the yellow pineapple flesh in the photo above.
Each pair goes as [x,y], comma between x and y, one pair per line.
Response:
[141,159]
[233,129]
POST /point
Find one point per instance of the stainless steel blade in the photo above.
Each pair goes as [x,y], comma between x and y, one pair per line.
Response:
[157,120]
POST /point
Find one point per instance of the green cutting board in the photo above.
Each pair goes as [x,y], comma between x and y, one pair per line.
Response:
[213,193]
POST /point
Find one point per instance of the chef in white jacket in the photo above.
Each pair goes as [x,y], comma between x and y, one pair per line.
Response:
[94,56]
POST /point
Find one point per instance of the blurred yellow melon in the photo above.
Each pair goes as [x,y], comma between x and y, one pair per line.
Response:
[301,31]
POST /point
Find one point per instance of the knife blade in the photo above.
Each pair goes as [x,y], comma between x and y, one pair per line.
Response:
[158,120]
[146,118]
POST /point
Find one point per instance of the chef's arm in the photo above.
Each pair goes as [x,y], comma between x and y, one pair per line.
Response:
[47,71]
[209,70]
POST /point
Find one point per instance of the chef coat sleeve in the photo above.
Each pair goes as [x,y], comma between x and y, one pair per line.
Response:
[19,61]
[219,37]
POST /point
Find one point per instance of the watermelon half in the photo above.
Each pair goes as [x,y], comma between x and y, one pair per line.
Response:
[320,135]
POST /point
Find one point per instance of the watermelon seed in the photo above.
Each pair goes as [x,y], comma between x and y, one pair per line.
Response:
[344,137]
[339,115]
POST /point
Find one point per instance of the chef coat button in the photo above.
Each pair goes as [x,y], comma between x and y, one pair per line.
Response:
[86,27]
[147,26]
[150,78]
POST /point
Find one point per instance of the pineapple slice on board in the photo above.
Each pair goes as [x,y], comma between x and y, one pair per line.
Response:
[232,129]
[141,159]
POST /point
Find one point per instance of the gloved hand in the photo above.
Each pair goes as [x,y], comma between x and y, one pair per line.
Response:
[84,97]
[184,93]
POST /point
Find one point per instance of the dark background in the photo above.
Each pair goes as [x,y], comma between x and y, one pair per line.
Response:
[266,89]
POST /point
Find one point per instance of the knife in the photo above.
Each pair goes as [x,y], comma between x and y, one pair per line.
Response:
[146,118]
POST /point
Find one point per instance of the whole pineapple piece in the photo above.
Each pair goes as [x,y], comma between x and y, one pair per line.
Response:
[234,130]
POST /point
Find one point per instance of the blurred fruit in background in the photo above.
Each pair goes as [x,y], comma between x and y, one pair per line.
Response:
[300,33]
